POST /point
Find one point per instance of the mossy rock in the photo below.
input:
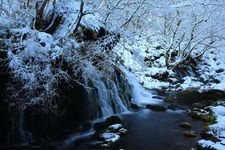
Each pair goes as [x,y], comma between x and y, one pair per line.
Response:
[189,134]
[188,97]
[207,118]
[156,107]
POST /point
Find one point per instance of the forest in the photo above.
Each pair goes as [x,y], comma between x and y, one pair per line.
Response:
[112,74]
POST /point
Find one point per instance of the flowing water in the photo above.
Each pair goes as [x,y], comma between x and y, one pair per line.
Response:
[147,130]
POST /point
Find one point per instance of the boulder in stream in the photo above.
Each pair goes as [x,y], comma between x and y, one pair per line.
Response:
[156,107]
[189,133]
[185,125]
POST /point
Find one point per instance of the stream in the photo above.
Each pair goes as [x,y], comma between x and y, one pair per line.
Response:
[157,131]
[147,129]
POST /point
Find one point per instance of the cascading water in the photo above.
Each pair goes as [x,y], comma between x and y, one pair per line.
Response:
[139,94]
[189,71]
[106,98]
[17,134]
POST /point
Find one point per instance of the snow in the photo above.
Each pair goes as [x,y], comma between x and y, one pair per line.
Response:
[115,127]
[110,137]
[4,22]
[217,129]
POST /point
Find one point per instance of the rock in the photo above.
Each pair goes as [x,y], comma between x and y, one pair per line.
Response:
[192,95]
[109,121]
[156,107]
[213,95]
[157,97]
[147,59]
[99,125]
[206,117]
[161,76]
[173,107]
[169,99]
[201,147]
[185,125]
[198,105]
[205,134]
[115,127]
[220,70]
[110,135]
[188,97]
[113,120]
[122,132]
[189,134]
[108,140]
[134,106]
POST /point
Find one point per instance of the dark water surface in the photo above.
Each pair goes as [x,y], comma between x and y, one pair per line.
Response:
[149,130]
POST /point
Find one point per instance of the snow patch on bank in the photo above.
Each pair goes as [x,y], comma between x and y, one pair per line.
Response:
[217,130]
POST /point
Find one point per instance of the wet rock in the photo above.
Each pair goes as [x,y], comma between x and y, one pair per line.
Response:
[156,107]
[213,95]
[189,133]
[188,97]
[192,95]
[185,125]
[157,97]
[109,121]
[108,139]
[115,127]
[122,132]
[198,105]
[173,107]
[169,99]
[113,120]
[134,106]
[109,136]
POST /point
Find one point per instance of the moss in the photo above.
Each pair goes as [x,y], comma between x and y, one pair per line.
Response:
[207,118]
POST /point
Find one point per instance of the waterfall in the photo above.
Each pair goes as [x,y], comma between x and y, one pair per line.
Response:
[139,94]
[17,134]
[183,72]
[105,97]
